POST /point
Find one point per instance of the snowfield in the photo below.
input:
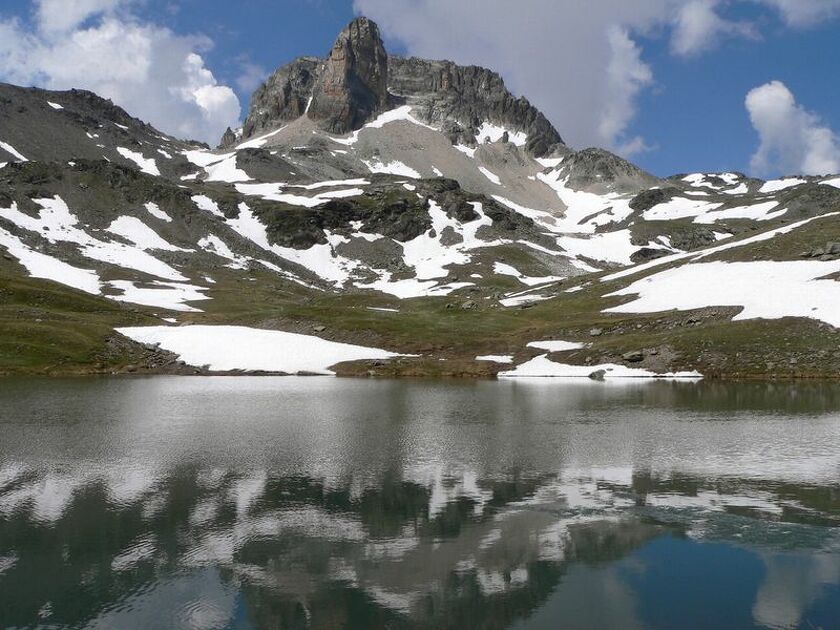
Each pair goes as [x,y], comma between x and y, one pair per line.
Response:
[799,289]
[228,348]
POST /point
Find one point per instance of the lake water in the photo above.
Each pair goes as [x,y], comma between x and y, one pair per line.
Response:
[328,503]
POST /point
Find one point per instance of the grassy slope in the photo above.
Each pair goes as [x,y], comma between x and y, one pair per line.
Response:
[48,328]
[45,327]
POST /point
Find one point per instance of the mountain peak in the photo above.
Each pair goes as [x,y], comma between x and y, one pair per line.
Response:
[354,83]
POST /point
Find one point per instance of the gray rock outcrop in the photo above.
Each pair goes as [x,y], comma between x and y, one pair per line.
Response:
[283,97]
[602,171]
[353,85]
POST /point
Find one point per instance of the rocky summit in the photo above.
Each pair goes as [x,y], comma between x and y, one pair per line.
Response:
[395,217]
[359,80]
[352,85]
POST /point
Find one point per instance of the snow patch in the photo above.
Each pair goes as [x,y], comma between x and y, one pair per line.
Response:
[556,346]
[332,184]
[320,259]
[519,300]
[393,167]
[215,245]
[585,212]
[224,348]
[776,185]
[503,269]
[172,296]
[134,230]
[488,132]
[496,358]
[8,148]
[490,175]
[542,367]
[679,208]
[395,115]
[696,255]
[615,247]
[156,212]
[756,212]
[203,202]
[259,142]
[226,171]
[550,162]
[42,266]
[56,224]
[147,165]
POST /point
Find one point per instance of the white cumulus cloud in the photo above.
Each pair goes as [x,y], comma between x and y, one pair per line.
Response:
[627,75]
[56,16]
[802,13]
[792,139]
[564,55]
[698,28]
[581,63]
[153,73]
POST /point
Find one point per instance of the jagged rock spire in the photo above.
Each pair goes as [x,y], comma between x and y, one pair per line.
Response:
[354,83]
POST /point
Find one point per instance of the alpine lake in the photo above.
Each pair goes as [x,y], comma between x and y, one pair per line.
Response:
[263,502]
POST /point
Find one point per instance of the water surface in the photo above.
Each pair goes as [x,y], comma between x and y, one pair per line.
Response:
[325,503]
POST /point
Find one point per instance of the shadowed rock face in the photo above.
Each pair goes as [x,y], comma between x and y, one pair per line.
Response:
[354,83]
[283,97]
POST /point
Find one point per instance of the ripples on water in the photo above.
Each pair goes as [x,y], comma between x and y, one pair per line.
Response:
[238,502]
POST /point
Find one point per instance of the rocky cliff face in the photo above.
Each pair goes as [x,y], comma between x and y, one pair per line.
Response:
[359,80]
[353,85]
[460,99]
[283,97]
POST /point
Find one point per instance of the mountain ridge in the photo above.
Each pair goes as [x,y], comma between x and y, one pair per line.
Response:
[450,95]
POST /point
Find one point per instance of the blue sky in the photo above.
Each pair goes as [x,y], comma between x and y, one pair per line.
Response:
[696,117]
[616,78]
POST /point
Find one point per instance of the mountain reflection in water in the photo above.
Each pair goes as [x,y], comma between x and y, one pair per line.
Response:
[215,503]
